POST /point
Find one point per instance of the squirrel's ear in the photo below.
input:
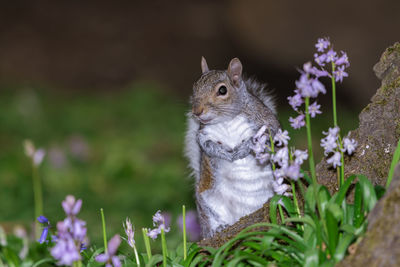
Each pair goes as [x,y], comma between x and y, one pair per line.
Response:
[204,66]
[235,71]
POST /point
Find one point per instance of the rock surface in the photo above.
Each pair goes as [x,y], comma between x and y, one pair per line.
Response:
[381,244]
[377,136]
[379,128]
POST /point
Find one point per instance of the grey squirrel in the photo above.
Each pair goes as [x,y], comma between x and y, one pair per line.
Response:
[227,111]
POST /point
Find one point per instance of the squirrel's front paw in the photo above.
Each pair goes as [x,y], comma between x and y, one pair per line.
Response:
[241,151]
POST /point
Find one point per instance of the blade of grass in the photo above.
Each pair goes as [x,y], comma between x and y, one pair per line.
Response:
[395,160]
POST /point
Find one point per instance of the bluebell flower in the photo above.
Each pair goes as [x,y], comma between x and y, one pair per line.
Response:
[71,233]
[43,220]
[335,159]
[295,101]
[293,172]
[130,233]
[331,56]
[314,109]
[297,122]
[300,156]
[44,234]
[343,60]
[340,74]
[160,223]
[349,145]
[322,44]
[281,137]
[110,257]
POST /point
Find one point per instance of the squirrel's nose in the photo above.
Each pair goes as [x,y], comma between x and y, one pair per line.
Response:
[197,111]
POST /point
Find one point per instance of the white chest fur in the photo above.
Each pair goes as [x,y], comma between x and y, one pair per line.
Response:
[230,133]
[242,186]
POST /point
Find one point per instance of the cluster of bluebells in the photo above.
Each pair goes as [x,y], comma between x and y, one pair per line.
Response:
[309,86]
[331,144]
[160,223]
[71,234]
[286,161]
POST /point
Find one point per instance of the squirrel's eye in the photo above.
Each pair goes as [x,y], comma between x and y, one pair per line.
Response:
[222,90]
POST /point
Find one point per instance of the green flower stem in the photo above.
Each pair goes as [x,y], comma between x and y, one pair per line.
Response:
[296,204]
[146,243]
[309,141]
[334,95]
[311,162]
[136,255]
[184,231]
[103,221]
[38,198]
[164,247]
[341,175]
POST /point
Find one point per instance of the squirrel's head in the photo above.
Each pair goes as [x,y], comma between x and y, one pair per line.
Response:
[218,95]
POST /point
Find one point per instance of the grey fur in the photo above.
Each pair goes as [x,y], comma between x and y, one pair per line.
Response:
[247,98]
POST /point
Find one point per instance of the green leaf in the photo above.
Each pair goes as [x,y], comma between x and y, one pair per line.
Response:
[273,204]
[45,260]
[323,197]
[341,194]
[311,258]
[395,160]
[332,230]
[368,192]
[379,191]
[306,176]
[358,212]
[344,243]
[154,260]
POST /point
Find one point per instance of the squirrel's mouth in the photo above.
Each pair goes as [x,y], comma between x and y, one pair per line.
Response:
[205,121]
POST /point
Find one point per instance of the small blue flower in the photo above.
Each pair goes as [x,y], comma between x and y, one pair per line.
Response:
[110,257]
[297,122]
[281,138]
[44,234]
[313,109]
[331,56]
[340,74]
[42,219]
[335,160]
[322,44]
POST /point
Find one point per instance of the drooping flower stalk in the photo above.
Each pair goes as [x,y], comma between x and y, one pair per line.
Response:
[130,238]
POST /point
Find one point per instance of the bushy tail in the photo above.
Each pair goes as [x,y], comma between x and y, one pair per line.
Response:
[259,90]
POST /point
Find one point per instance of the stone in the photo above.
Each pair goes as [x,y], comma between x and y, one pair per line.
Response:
[381,244]
[378,131]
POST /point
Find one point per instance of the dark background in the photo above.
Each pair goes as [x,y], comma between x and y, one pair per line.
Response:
[103,86]
[92,45]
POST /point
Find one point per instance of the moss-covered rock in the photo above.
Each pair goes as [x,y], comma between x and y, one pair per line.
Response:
[379,128]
